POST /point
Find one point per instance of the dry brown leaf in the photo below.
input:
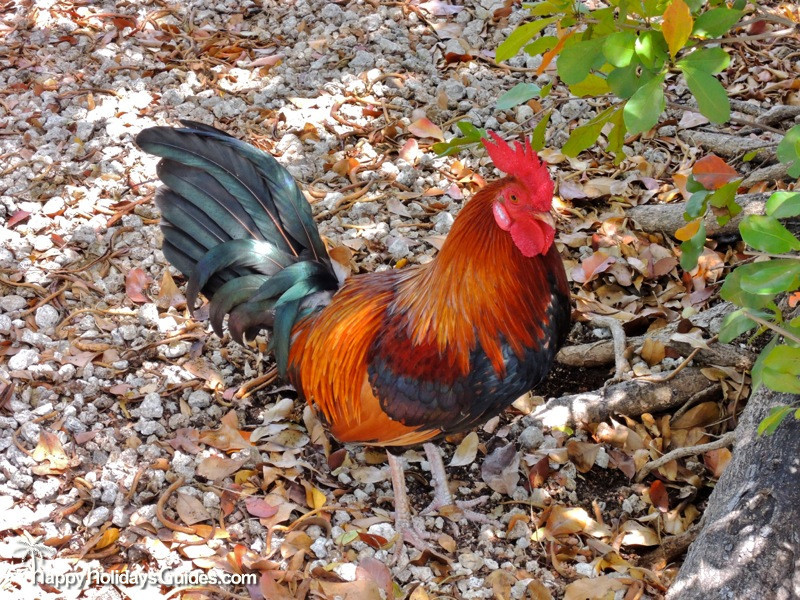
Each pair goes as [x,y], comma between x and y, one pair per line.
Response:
[582,454]
[190,509]
[375,570]
[539,473]
[637,534]
[186,439]
[592,266]
[500,469]
[698,416]
[227,437]
[595,588]
[258,507]
[169,294]
[218,467]
[658,496]
[467,451]
[717,460]
[50,455]
[136,280]
[109,536]
[537,591]
[653,351]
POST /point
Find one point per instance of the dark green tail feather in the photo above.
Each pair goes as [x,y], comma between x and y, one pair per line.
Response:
[237,226]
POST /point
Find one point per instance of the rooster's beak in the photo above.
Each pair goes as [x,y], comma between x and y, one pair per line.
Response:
[547,217]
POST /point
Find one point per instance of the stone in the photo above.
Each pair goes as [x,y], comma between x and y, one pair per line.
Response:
[46,316]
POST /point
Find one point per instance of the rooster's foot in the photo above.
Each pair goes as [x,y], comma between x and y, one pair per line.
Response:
[443,498]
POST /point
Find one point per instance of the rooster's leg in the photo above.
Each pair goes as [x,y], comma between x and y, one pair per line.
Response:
[402,509]
[442,496]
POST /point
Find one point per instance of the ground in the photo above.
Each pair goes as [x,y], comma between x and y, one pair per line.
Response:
[135,441]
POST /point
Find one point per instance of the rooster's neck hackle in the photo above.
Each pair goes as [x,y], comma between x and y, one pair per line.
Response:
[453,301]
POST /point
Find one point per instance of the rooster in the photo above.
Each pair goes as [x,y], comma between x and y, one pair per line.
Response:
[394,358]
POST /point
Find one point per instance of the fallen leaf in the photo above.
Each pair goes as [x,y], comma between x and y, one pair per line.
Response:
[539,472]
[258,507]
[136,281]
[653,351]
[190,509]
[592,266]
[109,536]
[637,534]
[410,151]
[500,469]
[717,460]
[659,496]
[218,467]
[594,588]
[169,294]
[17,217]
[186,439]
[582,454]
[424,128]
[467,451]
[50,455]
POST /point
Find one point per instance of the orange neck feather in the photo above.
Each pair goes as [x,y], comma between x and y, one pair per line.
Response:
[479,289]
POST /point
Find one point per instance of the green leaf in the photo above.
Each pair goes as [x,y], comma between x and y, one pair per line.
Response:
[593,85]
[712,99]
[766,234]
[519,37]
[584,136]
[546,90]
[470,131]
[651,49]
[697,204]
[716,22]
[758,367]
[692,248]
[709,60]
[771,276]
[575,61]
[748,156]
[723,201]
[522,92]
[616,137]
[732,292]
[537,137]
[734,325]
[645,106]
[472,135]
[789,150]
[547,8]
[618,48]
[782,369]
[783,205]
[623,81]
[541,45]
[773,419]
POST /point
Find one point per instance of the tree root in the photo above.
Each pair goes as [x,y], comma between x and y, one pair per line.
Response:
[628,398]
[726,440]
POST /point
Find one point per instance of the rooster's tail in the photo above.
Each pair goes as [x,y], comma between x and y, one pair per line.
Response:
[237,226]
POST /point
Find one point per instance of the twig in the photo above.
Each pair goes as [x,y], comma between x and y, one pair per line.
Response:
[776,328]
[725,440]
[679,368]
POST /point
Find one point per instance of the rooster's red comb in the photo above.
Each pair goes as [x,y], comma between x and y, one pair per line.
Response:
[519,161]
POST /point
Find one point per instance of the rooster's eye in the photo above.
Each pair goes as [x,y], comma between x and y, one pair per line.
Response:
[513,198]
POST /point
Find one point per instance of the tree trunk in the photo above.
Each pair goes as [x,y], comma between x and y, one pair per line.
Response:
[749,546]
